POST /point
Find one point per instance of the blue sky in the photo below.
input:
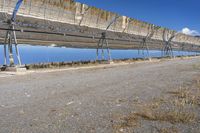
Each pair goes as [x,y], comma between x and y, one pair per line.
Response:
[174,14]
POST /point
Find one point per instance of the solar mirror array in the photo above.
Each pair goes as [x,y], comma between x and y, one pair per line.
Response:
[72,24]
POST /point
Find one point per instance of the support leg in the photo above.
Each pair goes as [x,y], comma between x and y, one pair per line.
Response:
[18,55]
[5,50]
[138,51]
[102,50]
[162,51]
[143,48]
[166,51]
[182,50]
[172,54]
[147,49]
[16,48]
[108,50]
[139,47]
[11,59]
[5,53]
[97,52]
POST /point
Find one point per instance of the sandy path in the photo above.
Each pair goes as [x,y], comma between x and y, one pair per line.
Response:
[85,100]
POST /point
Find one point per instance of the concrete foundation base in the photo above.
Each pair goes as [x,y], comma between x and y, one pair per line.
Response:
[110,62]
[105,62]
[13,69]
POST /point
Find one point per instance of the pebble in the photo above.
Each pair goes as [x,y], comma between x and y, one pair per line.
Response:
[21,112]
[28,95]
[69,103]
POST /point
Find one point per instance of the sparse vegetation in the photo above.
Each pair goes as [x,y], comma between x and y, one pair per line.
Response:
[84,63]
[75,64]
[172,116]
[186,96]
[177,107]
[196,66]
[58,117]
[125,122]
[167,130]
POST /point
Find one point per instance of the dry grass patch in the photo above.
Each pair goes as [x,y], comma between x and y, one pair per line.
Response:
[198,84]
[167,130]
[172,116]
[177,108]
[162,110]
[165,110]
[57,117]
[185,96]
[125,122]
[181,92]
[196,66]
[158,110]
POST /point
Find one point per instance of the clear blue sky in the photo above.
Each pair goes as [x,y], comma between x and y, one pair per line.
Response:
[174,14]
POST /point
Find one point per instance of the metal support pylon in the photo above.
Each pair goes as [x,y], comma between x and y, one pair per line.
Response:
[167,49]
[189,49]
[103,42]
[182,49]
[145,46]
[11,40]
[102,45]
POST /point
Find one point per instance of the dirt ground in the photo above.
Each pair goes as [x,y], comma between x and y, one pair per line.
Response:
[149,97]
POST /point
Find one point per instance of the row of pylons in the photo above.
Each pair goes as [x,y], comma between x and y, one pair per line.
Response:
[102,44]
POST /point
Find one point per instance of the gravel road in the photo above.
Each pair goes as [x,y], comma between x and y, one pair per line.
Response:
[85,100]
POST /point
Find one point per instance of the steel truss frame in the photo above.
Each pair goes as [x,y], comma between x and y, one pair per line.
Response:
[8,44]
[151,31]
[11,39]
[103,43]
[167,49]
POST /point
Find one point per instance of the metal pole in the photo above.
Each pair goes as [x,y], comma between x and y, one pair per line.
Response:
[5,57]
[5,50]
[103,39]
[30,7]
[102,49]
[16,47]
[108,50]
[97,52]
[4,2]
[11,59]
